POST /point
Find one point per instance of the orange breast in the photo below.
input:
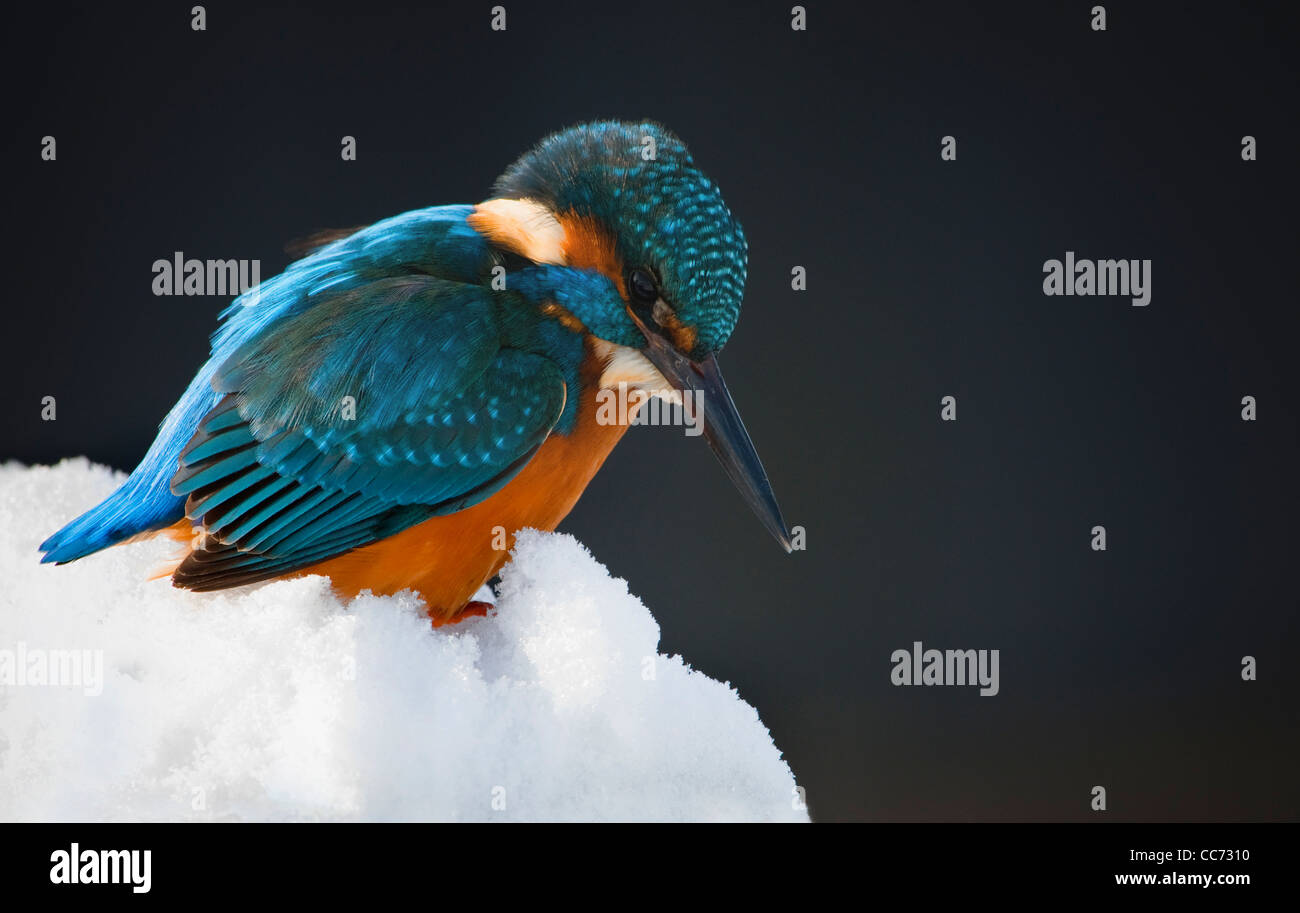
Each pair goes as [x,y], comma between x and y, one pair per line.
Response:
[446,559]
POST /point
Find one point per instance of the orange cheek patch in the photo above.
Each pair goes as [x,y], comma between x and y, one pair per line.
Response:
[683,336]
[587,245]
[564,316]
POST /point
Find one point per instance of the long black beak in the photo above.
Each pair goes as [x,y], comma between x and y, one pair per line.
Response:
[723,429]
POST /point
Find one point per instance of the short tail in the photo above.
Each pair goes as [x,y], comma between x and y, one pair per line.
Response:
[145,502]
[131,510]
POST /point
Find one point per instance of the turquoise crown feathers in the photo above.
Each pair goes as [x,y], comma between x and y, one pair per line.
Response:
[640,181]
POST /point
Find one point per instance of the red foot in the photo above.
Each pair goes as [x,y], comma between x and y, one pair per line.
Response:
[471,609]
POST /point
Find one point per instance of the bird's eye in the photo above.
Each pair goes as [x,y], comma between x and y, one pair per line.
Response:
[641,286]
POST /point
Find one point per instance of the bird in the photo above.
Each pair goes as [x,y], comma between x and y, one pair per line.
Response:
[395,406]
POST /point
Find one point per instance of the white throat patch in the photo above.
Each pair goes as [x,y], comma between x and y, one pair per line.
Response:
[625,365]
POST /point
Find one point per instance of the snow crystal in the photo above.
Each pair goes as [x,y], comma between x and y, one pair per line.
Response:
[282,702]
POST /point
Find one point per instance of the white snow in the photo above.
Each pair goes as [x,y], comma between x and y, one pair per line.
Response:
[281,702]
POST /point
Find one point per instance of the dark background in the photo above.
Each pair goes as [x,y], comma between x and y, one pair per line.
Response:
[1119,668]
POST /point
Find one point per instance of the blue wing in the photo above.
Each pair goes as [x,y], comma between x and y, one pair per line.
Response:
[288,373]
[376,409]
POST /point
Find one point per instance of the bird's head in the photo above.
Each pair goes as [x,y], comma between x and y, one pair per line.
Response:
[626,201]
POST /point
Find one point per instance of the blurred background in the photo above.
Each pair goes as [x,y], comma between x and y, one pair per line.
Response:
[1119,668]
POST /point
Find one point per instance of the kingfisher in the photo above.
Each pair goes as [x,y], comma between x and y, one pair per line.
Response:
[394,406]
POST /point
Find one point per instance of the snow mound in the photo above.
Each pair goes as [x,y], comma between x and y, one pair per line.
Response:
[282,702]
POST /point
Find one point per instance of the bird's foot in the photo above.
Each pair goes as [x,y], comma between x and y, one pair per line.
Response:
[470,610]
